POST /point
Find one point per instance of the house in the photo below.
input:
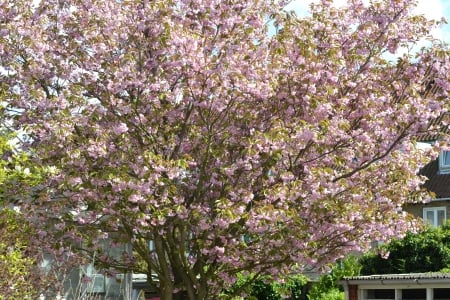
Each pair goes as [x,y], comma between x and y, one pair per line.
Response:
[85,282]
[419,286]
[436,211]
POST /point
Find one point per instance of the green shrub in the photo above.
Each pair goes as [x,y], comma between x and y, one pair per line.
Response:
[332,294]
[296,285]
[264,288]
[427,251]
[327,288]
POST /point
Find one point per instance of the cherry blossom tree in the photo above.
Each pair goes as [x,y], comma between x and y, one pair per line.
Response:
[219,138]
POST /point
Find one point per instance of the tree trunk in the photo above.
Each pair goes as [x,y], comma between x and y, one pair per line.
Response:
[180,296]
[166,293]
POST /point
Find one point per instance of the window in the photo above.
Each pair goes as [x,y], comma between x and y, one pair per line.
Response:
[441,294]
[385,294]
[414,294]
[91,281]
[444,162]
[435,216]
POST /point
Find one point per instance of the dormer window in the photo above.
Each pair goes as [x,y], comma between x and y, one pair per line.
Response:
[444,161]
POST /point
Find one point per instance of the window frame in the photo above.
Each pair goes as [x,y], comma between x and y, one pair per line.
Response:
[91,281]
[435,210]
[444,168]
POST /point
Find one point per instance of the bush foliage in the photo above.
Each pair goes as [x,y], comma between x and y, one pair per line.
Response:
[327,288]
[427,251]
[265,288]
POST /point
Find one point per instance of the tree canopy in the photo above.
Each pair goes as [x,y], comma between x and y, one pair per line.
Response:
[188,124]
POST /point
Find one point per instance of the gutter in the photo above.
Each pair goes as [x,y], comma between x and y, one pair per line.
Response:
[440,199]
[346,282]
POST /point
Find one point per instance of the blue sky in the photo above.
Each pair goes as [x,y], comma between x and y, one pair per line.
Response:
[434,9]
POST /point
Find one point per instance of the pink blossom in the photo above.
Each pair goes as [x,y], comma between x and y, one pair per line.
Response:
[120,128]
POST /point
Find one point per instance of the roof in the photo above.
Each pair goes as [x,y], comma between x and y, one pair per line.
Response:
[431,275]
[412,279]
[437,128]
[437,182]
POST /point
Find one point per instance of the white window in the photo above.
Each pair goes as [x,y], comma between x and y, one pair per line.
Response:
[91,281]
[444,162]
[435,216]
